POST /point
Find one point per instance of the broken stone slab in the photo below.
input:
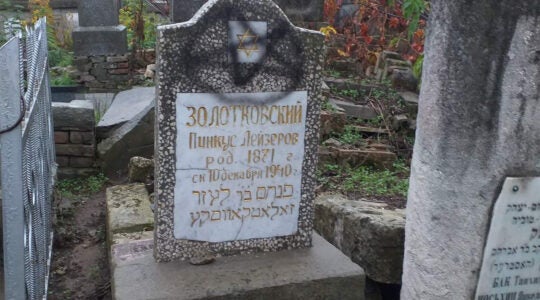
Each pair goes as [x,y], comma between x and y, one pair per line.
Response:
[371,130]
[359,111]
[369,233]
[128,209]
[404,79]
[320,272]
[356,157]
[140,169]
[349,66]
[411,101]
[75,115]
[347,84]
[127,237]
[386,55]
[134,138]
[150,71]
[400,121]
[332,122]
[125,106]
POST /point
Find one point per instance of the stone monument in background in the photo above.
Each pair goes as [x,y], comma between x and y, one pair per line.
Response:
[99,32]
[296,10]
[183,10]
[478,125]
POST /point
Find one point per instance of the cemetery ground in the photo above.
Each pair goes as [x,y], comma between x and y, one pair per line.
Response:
[80,268]
[375,169]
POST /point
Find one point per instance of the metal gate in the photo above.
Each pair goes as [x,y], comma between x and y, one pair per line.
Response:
[27,163]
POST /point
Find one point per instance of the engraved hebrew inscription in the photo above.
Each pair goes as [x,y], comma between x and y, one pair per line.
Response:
[511,263]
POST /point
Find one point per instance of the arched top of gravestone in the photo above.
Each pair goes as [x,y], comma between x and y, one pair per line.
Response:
[237,46]
[243,10]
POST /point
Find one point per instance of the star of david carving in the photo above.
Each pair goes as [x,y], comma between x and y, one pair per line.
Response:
[248,38]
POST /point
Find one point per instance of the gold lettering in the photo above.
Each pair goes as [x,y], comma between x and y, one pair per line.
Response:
[192,116]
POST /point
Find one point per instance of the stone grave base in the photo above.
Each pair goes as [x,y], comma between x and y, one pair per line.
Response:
[321,272]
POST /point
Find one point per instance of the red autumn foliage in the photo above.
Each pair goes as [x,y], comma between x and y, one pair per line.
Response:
[373,27]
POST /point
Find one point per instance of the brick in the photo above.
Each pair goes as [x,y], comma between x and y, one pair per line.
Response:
[119,71]
[79,137]
[86,78]
[81,162]
[119,58]
[75,150]
[97,59]
[121,65]
[62,161]
[61,137]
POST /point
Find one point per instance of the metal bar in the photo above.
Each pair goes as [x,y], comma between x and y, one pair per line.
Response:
[12,173]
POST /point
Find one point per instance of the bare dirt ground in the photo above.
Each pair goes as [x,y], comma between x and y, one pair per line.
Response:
[80,268]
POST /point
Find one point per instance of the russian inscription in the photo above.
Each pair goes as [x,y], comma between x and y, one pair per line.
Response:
[511,264]
[239,170]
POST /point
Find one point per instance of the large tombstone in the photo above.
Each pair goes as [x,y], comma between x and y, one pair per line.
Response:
[99,32]
[477,125]
[303,10]
[296,10]
[238,102]
[183,10]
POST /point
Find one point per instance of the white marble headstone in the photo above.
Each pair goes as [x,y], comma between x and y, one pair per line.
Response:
[240,171]
[511,264]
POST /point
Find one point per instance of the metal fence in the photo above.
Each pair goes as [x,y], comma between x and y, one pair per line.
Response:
[27,163]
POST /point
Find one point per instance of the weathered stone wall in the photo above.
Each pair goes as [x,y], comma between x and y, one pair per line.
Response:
[74,138]
[112,72]
[103,72]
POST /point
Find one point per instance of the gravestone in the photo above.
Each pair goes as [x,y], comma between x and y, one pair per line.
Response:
[183,10]
[98,32]
[477,125]
[237,114]
[303,10]
[296,10]
[510,266]
[238,102]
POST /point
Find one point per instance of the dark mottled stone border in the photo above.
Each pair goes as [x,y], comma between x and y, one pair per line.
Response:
[193,58]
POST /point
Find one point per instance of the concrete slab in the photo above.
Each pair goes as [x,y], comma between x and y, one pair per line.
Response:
[134,138]
[125,106]
[128,209]
[77,115]
[321,272]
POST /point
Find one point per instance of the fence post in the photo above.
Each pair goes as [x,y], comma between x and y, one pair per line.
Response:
[11,172]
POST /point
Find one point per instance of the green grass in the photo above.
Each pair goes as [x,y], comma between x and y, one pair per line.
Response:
[375,183]
[334,73]
[350,136]
[81,186]
[349,93]
[327,106]
[62,80]
[366,180]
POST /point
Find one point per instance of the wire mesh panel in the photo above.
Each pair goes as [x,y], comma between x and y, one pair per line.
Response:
[27,165]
